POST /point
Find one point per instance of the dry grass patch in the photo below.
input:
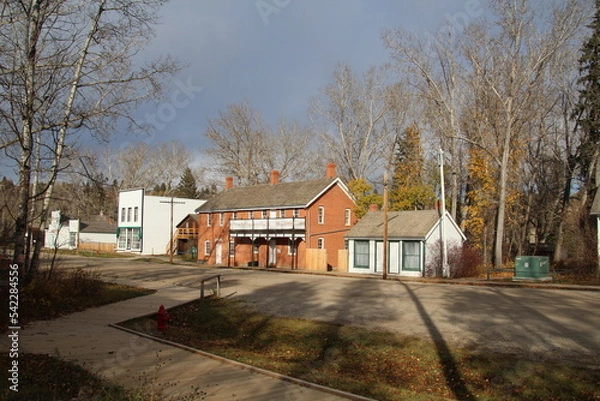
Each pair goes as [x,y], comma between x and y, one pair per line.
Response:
[375,364]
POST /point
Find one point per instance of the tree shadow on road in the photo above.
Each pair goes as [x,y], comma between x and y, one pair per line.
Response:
[450,367]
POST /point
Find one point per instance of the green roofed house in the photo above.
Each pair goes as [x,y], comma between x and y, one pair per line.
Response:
[413,241]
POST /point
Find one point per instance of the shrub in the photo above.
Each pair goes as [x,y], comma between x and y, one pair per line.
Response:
[463,261]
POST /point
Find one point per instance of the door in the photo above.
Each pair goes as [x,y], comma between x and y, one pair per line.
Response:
[272,252]
[219,253]
[378,256]
[393,258]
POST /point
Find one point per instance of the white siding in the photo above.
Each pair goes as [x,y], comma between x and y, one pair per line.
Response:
[154,217]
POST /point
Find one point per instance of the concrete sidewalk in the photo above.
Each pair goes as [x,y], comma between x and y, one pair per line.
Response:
[135,361]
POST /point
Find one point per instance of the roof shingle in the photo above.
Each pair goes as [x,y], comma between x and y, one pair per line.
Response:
[414,224]
[267,196]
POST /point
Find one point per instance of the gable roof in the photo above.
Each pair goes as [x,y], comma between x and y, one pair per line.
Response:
[413,224]
[190,217]
[98,224]
[270,196]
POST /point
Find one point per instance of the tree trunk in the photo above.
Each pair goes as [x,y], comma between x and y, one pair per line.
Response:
[62,133]
[26,137]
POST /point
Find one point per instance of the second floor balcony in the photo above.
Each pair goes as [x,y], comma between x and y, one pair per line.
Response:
[275,224]
[187,233]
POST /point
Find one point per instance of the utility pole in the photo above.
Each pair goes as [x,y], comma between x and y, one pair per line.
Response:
[385,224]
[172,202]
[444,250]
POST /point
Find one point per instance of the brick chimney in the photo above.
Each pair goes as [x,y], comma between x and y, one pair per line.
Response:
[274,177]
[228,182]
[373,207]
[331,170]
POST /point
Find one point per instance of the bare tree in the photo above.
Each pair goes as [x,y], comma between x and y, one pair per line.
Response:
[146,165]
[509,59]
[239,143]
[350,113]
[437,78]
[66,71]
[245,147]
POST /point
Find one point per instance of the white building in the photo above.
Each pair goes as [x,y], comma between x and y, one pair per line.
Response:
[413,242]
[62,232]
[145,222]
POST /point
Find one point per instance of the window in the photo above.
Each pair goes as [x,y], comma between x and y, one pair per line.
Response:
[231,248]
[265,214]
[136,239]
[235,216]
[361,254]
[135,214]
[206,248]
[122,214]
[320,243]
[291,247]
[222,219]
[282,213]
[411,255]
[296,213]
[130,239]
[347,217]
[128,214]
[72,239]
[209,220]
[321,215]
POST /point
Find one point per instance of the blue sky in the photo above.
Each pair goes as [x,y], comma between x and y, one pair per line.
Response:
[275,54]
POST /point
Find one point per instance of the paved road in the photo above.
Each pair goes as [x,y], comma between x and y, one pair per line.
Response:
[550,323]
[547,323]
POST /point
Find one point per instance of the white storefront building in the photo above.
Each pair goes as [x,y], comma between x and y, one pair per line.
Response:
[145,222]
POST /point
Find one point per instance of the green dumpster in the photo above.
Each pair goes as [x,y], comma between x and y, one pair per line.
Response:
[532,268]
[194,252]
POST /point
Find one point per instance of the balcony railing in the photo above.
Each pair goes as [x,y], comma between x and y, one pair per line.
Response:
[268,224]
[187,233]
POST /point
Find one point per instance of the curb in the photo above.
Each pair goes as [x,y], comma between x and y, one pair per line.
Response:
[244,366]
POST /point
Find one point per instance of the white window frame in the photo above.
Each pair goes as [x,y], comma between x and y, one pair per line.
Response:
[123,213]
[362,254]
[209,220]
[221,219]
[296,213]
[135,214]
[347,217]
[207,248]
[321,215]
[320,243]
[231,248]
[265,214]
[129,214]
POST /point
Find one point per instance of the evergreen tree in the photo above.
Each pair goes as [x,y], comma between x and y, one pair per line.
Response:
[587,110]
[409,192]
[187,187]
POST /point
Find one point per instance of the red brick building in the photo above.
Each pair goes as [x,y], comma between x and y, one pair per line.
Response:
[277,224]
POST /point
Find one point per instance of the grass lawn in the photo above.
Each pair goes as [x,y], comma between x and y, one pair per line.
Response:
[43,377]
[375,364]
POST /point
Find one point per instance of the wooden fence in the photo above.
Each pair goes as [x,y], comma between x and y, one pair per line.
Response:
[316,259]
[103,247]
